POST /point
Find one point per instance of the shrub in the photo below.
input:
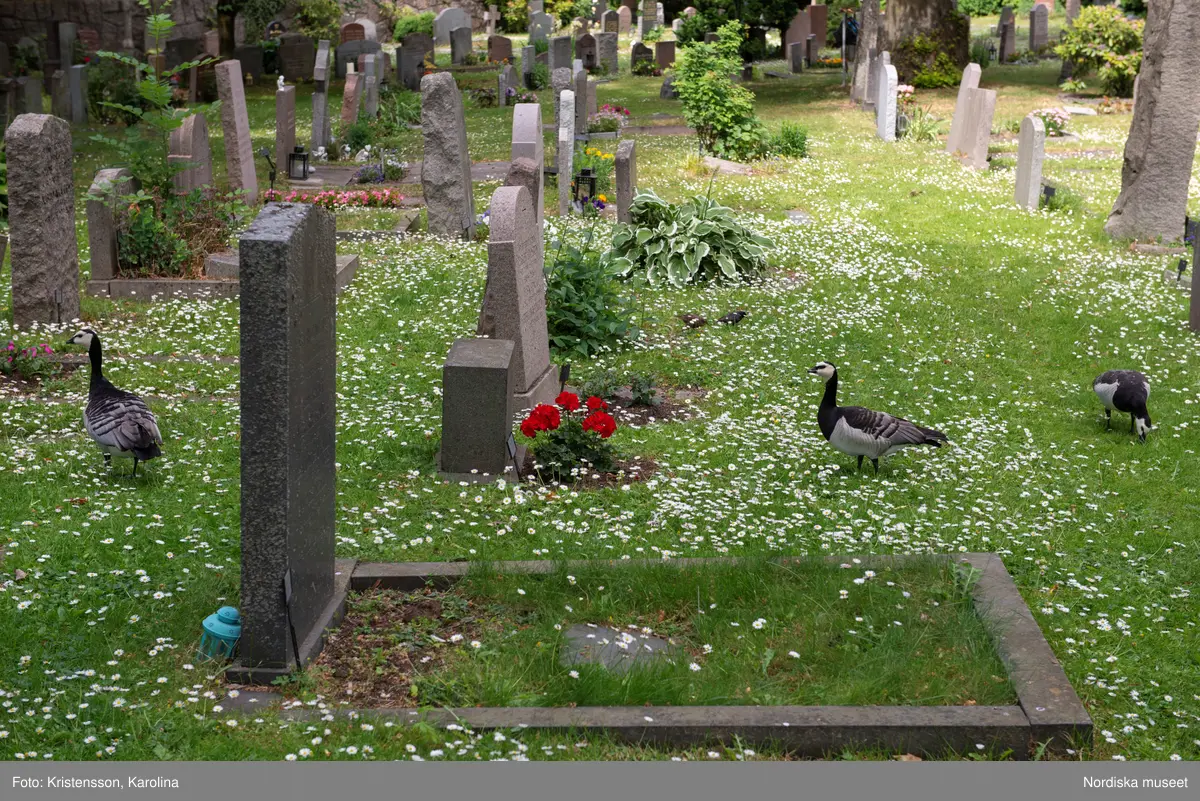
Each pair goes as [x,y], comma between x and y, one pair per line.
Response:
[653,35]
[169,236]
[357,135]
[318,19]
[643,391]
[111,86]
[339,198]
[484,98]
[409,21]
[922,125]
[585,310]
[539,78]
[791,142]
[1103,40]
[646,68]
[570,435]
[31,363]
[1063,199]
[980,53]
[928,65]
[599,162]
[398,108]
[980,8]
[721,111]
[603,385]
[692,30]
[695,242]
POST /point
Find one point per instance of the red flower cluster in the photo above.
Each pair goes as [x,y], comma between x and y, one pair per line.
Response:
[545,417]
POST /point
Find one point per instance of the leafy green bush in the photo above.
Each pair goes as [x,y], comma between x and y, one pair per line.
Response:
[146,243]
[643,391]
[357,135]
[409,21]
[602,385]
[1105,41]
[721,111]
[922,125]
[398,108]
[539,78]
[1063,199]
[646,68]
[929,65]
[694,242]
[110,86]
[791,142]
[692,29]
[169,236]
[585,310]
[981,8]
[653,35]
[318,19]
[980,53]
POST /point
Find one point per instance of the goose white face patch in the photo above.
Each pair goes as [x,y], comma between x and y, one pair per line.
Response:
[1141,427]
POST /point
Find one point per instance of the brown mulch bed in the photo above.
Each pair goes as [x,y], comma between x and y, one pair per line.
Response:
[675,405]
[626,471]
[385,644]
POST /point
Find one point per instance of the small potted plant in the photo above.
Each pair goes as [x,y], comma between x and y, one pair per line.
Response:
[570,436]
[905,107]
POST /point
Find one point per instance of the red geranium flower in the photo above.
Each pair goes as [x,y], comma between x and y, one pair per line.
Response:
[600,422]
[547,415]
[530,426]
[596,404]
[568,400]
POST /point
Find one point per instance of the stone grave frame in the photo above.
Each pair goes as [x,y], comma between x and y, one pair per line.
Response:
[1047,710]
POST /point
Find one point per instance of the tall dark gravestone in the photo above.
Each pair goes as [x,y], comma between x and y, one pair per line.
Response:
[290,593]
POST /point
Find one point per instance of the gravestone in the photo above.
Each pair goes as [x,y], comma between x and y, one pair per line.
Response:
[322,124]
[212,43]
[490,18]
[525,172]
[370,33]
[351,52]
[560,52]
[626,178]
[41,221]
[181,51]
[566,150]
[414,50]
[677,26]
[607,54]
[647,18]
[875,59]
[690,11]
[592,107]
[799,29]
[506,81]
[536,7]
[29,91]
[285,127]
[527,143]
[68,34]
[541,25]
[1039,28]
[869,23]
[288,406]
[239,153]
[500,49]
[812,54]
[885,103]
[638,53]
[668,91]
[351,98]
[1008,41]
[1072,11]
[1031,152]
[102,225]
[587,52]
[189,148]
[977,129]
[616,651]
[970,80]
[560,81]
[1161,148]
[296,56]
[664,54]
[460,45]
[372,66]
[796,53]
[478,385]
[514,298]
[447,20]
[818,23]
[527,61]
[251,59]
[1007,15]
[446,172]
[581,104]
[352,32]
[77,87]
[624,20]
[60,95]
[660,16]
[610,21]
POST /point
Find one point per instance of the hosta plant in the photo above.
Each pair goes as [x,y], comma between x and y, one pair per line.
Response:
[694,242]
[570,436]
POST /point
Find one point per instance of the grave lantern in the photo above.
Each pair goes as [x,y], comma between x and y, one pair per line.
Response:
[1182,268]
[222,630]
[585,186]
[991,49]
[266,154]
[297,165]
[1048,192]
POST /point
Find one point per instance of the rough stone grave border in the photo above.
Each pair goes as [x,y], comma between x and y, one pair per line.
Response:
[1047,708]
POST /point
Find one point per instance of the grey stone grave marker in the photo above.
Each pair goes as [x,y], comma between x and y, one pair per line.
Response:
[285,127]
[1039,28]
[478,385]
[239,154]
[560,53]
[607,53]
[977,130]
[447,20]
[189,146]
[626,178]
[108,185]
[41,221]
[351,98]
[77,87]
[446,172]
[885,102]
[460,45]
[615,650]
[566,150]
[970,80]
[1031,152]
[296,56]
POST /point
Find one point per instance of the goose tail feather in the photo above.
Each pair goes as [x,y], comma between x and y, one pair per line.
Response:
[933,437]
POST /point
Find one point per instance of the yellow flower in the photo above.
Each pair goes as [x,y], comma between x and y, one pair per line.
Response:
[603,199]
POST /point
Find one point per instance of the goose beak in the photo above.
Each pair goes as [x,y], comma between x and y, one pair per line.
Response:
[812,371]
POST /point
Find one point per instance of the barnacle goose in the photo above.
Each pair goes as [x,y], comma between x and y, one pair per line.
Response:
[861,432]
[119,421]
[1126,391]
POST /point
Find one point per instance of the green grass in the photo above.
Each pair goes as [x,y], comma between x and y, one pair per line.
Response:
[938,298]
[759,633]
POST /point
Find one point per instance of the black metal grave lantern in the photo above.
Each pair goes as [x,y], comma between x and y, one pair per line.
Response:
[266,154]
[1048,192]
[991,50]
[297,165]
[584,186]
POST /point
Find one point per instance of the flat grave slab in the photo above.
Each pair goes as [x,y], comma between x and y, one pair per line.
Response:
[616,650]
[222,281]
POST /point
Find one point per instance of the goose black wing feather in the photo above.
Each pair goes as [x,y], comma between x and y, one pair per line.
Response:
[883,426]
[122,420]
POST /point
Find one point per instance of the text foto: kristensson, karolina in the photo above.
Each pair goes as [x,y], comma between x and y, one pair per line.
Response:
[77,783]
[1119,782]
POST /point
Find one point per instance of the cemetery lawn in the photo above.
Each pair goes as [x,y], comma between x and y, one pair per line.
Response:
[934,294]
[757,633]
